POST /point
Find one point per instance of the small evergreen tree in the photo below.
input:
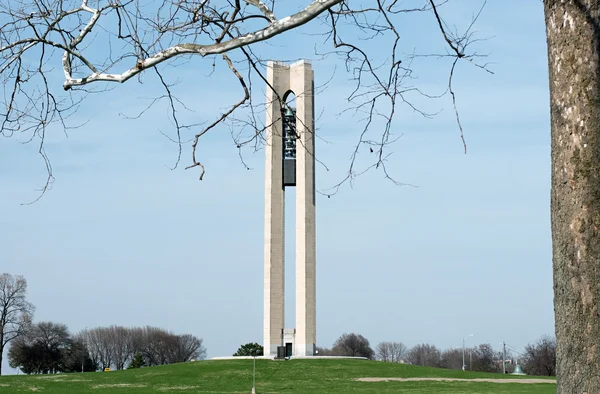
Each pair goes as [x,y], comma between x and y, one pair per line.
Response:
[249,349]
[137,362]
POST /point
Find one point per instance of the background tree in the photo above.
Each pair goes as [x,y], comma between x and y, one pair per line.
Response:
[187,347]
[41,349]
[249,349]
[15,311]
[156,346]
[394,352]
[540,357]
[120,345]
[25,356]
[89,338]
[354,345]
[484,359]
[98,341]
[116,346]
[425,355]
[76,358]
[450,359]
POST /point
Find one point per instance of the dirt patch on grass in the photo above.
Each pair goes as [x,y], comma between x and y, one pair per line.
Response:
[177,388]
[77,380]
[52,377]
[115,385]
[152,374]
[478,380]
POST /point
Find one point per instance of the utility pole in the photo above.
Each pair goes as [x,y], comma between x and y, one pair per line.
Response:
[254,372]
[471,359]
[463,351]
[463,354]
[503,358]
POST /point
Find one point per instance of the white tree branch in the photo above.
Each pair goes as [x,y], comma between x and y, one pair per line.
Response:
[276,28]
[264,9]
[66,61]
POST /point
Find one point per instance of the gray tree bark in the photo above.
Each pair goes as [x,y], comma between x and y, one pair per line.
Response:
[573,36]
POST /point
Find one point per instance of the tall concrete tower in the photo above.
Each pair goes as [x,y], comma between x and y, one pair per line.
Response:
[290,162]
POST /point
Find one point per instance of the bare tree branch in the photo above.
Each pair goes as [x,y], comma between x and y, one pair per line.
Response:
[103,41]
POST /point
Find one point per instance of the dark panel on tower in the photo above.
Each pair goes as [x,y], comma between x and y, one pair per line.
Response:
[289,172]
[289,146]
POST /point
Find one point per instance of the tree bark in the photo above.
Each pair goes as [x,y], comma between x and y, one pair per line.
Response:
[573,37]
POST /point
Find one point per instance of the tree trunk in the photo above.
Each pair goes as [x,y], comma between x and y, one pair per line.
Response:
[573,35]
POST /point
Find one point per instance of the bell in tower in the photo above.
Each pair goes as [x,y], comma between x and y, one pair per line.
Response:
[288,117]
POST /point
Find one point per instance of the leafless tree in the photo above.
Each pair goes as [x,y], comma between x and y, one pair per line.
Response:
[156,345]
[425,355]
[159,346]
[354,345]
[98,342]
[90,44]
[92,343]
[188,347]
[540,357]
[394,352]
[451,359]
[119,338]
[15,311]
[484,359]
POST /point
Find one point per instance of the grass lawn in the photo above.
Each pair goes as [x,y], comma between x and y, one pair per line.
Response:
[293,376]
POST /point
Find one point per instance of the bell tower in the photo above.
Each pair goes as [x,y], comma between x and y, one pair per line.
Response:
[290,163]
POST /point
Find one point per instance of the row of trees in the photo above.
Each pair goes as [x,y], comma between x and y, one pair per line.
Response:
[481,358]
[116,347]
[48,347]
[539,357]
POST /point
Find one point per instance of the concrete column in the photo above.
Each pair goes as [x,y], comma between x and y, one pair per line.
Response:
[302,84]
[274,279]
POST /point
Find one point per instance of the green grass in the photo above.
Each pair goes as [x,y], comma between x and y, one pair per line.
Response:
[294,376]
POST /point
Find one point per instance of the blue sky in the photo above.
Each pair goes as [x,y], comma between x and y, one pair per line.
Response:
[122,239]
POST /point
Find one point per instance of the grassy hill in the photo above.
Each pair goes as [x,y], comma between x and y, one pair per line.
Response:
[293,376]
